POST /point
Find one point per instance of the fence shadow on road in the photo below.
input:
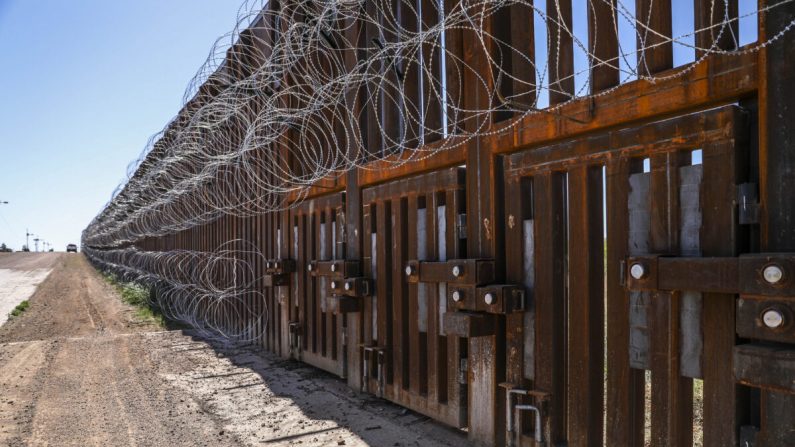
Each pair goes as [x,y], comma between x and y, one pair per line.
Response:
[324,401]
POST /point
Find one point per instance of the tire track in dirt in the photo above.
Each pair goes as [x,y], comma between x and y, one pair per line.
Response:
[20,377]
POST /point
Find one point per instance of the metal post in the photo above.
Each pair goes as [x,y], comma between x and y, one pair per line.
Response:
[777,163]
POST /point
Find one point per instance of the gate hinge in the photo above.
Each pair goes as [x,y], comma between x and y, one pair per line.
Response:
[748,203]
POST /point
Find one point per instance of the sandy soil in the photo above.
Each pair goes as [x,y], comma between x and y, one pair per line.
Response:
[76,369]
[28,261]
[20,273]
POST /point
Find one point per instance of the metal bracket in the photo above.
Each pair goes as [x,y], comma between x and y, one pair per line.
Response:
[277,272]
[280,266]
[470,324]
[473,272]
[763,318]
[494,299]
[761,274]
[340,304]
[276,279]
[768,366]
[345,287]
[335,269]
[353,287]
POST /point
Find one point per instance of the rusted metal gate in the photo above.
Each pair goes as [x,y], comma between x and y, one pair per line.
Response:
[317,260]
[596,275]
[660,188]
[408,357]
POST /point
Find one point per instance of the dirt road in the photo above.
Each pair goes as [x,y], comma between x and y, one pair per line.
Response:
[77,369]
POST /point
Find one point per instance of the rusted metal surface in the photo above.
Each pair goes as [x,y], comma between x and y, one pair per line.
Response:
[492,286]
[412,224]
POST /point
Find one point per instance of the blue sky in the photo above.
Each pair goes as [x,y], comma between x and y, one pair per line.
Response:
[83,85]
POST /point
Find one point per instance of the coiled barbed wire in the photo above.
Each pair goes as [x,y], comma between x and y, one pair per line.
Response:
[278,104]
[215,292]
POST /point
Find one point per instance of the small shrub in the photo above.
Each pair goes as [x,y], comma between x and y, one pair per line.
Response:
[21,307]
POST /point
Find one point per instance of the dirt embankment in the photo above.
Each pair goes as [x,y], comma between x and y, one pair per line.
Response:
[77,369]
[20,274]
[73,301]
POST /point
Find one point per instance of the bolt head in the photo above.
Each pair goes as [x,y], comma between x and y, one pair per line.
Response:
[773,318]
[409,270]
[309,267]
[490,298]
[348,286]
[458,271]
[457,296]
[333,267]
[268,264]
[333,284]
[637,271]
[773,274]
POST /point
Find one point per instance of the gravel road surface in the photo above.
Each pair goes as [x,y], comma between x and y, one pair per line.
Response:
[77,369]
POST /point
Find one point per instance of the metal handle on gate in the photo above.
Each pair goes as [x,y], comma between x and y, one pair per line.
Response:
[538,432]
[513,410]
[368,352]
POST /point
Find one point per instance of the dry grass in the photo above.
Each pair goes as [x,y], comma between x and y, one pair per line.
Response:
[137,296]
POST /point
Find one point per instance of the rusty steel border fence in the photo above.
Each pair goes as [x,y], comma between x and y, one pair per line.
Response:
[619,272]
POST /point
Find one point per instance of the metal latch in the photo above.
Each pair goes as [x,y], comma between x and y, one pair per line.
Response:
[353,287]
[457,271]
[767,274]
[277,272]
[495,299]
[346,287]
[335,269]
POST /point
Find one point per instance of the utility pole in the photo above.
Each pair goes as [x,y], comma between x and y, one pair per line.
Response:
[28,234]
